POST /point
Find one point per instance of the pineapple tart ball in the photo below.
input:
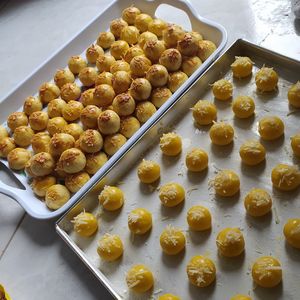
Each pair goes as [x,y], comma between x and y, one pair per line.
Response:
[139,65]
[72,161]
[116,27]
[294,95]
[17,158]
[291,231]
[23,136]
[146,37]
[118,49]
[75,182]
[176,80]
[172,34]
[129,125]
[139,279]
[144,110]
[153,49]
[171,59]
[142,22]
[40,185]
[129,14]
[110,247]
[140,89]
[108,122]
[7,144]
[285,177]
[188,45]
[132,52]
[70,91]
[3,132]
[157,26]
[40,142]
[119,65]
[48,91]
[56,125]
[252,152]
[130,34]
[171,194]
[168,297]
[242,67]
[121,81]
[266,79]
[87,97]
[16,119]
[89,116]
[55,107]
[31,105]
[196,35]
[63,76]
[111,198]
[258,202]
[73,129]
[94,161]
[295,144]
[124,104]
[201,271]
[61,142]
[104,62]
[72,110]
[159,96]
[112,143]
[38,120]
[226,183]
[139,221]
[206,49]
[91,141]
[172,240]
[196,160]
[222,89]
[270,128]
[56,196]
[157,75]
[105,39]
[42,164]
[104,95]
[85,224]
[170,144]
[240,297]
[221,133]
[199,218]
[87,76]
[93,52]
[204,112]
[267,272]
[76,63]
[104,78]
[148,171]
[243,107]
[230,242]
[190,65]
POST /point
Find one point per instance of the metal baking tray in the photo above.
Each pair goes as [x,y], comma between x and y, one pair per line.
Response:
[263,236]
[182,13]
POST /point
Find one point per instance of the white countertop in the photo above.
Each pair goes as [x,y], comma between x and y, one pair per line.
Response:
[34,262]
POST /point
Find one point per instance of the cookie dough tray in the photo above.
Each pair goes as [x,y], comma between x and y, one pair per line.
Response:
[184,15]
[263,236]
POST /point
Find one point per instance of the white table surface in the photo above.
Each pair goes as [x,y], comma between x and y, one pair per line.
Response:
[34,262]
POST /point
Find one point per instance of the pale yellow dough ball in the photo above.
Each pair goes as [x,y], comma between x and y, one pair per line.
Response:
[73,129]
[243,107]
[3,132]
[199,218]
[190,65]
[16,119]
[91,141]
[85,224]
[48,91]
[40,185]
[196,160]
[171,194]
[266,79]
[145,37]
[258,202]
[157,26]
[153,49]
[63,76]
[119,65]
[23,136]
[89,116]
[56,196]
[157,75]
[124,104]
[38,120]
[252,152]
[116,27]
[144,111]
[76,63]
[230,242]
[206,49]
[72,111]
[270,128]
[172,34]
[104,78]
[110,247]
[139,221]
[222,89]
[242,67]
[118,49]
[159,96]
[104,95]
[112,143]
[75,182]
[201,271]
[226,183]
[32,104]
[104,62]
[108,122]
[17,158]
[171,59]
[176,80]
[132,52]
[285,177]
[204,112]
[129,126]
[170,144]
[291,231]
[140,89]
[87,97]
[139,279]
[221,133]
[87,76]
[70,91]
[129,14]
[7,144]
[42,164]
[93,52]
[188,45]
[95,161]
[130,34]
[294,95]
[55,107]
[111,198]
[295,144]
[139,65]
[172,240]
[105,39]
[148,171]
[72,161]
[121,81]
[60,142]
[41,142]
[142,22]
[56,125]
[267,272]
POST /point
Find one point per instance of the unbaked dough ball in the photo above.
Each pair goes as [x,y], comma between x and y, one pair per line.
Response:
[139,279]
[196,160]
[132,52]
[85,224]
[93,52]
[76,63]
[104,78]
[170,144]
[242,67]
[104,62]
[103,95]
[73,129]
[172,34]
[190,65]
[142,22]
[157,26]
[56,196]
[285,177]
[70,91]
[74,182]
[171,59]
[130,34]
[7,144]
[171,194]
[63,76]
[129,125]
[119,65]
[252,152]
[89,116]
[258,202]
[48,91]
[55,108]
[111,198]
[40,142]
[172,240]
[243,107]
[94,162]
[188,45]
[40,185]
[176,80]
[112,143]
[110,247]
[105,39]
[222,89]
[159,96]
[72,161]
[116,27]
[108,122]
[56,125]
[139,221]
[124,104]
[206,49]
[153,49]
[294,95]
[148,171]
[270,128]
[199,218]
[31,105]
[221,133]
[129,14]
[266,79]
[226,183]
[16,119]
[121,81]
[91,141]
[87,97]
[72,110]
[139,65]
[42,164]
[140,89]
[144,111]
[87,76]
[23,136]
[38,120]
[204,112]
[60,142]
[118,49]
[157,75]
[17,158]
